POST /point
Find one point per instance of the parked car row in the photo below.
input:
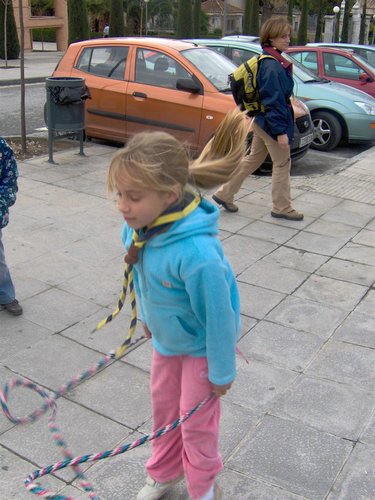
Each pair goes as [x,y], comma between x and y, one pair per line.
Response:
[339,113]
[139,84]
[182,87]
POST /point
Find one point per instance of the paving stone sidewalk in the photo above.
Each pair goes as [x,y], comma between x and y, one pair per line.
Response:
[299,422]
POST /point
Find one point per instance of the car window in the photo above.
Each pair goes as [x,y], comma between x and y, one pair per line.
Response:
[369,56]
[157,68]
[308,59]
[339,66]
[108,61]
[239,56]
[366,54]
[220,50]
[212,65]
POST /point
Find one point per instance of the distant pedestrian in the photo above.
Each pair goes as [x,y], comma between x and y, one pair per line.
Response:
[8,191]
[106,30]
[188,297]
[273,127]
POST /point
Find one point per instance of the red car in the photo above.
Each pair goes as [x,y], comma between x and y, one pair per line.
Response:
[343,66]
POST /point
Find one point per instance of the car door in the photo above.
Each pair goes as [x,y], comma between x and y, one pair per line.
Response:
[155,103]
[104,69]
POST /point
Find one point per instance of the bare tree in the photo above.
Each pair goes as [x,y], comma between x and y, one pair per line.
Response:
[22,69]
[5,2]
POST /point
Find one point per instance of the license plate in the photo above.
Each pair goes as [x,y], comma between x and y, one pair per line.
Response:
[305,140]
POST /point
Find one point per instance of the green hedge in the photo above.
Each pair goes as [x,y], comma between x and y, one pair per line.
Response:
[44,34]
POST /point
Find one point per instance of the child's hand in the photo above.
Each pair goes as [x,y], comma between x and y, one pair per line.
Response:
[220,390]
[147,332]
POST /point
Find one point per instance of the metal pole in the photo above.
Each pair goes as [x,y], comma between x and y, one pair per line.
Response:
[49,126]
[141,21]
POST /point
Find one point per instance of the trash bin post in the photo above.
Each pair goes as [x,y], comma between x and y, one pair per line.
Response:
[50,132]
[64,110]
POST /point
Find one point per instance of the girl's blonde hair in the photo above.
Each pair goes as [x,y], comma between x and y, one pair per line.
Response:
[158,161]
[273,28]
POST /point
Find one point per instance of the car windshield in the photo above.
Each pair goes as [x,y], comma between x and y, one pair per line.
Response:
[304,74]
[215,67]
[366,64]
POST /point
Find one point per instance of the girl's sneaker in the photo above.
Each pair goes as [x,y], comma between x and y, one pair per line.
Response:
[153,490]
[218,492]
[215,493]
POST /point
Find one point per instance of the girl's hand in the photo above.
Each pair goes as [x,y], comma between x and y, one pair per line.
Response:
[283,141]
[147,332]
[220,390]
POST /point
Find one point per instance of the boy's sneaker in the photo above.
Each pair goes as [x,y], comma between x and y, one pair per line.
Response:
[13,307]
[153,490]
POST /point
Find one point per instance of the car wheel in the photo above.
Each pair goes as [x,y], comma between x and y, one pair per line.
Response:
[327,131]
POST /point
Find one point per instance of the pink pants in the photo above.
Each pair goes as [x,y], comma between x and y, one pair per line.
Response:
[178,383]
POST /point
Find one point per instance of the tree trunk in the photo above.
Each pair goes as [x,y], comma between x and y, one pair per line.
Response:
[302,29]
[22,54]
[247,17]
[362,31]
[116,18]
[254,19]
[184,28]
[319,22]
[197,18]
[78,21]
[5,33]
[345,22]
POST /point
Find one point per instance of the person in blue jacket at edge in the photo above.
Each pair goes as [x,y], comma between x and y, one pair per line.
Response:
[272,128]
[8,192]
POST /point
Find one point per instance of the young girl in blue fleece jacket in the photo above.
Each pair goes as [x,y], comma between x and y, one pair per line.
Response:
[187,296]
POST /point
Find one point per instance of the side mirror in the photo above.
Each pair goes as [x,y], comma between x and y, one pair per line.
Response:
[364,77]
[188,85]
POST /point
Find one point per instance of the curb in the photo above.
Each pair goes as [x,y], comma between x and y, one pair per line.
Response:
[17,81]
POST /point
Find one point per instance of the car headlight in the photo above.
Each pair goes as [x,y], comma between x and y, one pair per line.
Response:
[367,108]
[300,106]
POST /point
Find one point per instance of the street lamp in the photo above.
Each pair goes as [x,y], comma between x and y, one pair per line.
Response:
[146,2]
[336,11]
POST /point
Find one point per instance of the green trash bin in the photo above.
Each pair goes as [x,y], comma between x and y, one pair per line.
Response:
[65,107]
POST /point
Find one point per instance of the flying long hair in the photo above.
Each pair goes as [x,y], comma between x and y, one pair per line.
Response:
[158,161]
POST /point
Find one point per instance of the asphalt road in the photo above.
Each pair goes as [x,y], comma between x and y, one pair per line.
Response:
[35,98]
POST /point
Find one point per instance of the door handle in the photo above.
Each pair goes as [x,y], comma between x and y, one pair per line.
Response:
[139,94]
